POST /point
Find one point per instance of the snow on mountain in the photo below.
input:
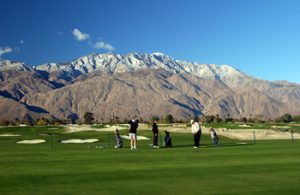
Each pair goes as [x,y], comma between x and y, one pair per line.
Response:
[116,63]
[17,66]
[198,89]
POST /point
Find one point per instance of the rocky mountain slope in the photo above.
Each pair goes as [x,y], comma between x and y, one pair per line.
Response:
[139,85]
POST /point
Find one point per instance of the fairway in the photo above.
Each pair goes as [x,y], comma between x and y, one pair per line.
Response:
[267,167]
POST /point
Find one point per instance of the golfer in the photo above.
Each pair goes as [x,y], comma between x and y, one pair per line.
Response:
[155,134]
[132,133]
[196,130]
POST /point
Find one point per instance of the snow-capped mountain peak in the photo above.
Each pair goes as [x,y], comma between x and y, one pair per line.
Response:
[17,66]
[116,63]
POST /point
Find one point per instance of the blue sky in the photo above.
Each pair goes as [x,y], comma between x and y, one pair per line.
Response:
[258,37]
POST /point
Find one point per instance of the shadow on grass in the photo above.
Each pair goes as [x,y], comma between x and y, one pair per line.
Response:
[227,144]
[240,144]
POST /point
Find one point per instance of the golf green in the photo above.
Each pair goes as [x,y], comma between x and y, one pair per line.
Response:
[232,167]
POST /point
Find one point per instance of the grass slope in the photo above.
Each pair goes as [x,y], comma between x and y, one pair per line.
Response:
[268,167]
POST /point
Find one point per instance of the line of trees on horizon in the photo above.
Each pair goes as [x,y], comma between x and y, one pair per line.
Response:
[89,118]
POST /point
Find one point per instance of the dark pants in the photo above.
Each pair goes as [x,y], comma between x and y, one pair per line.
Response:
[155,139]
[197,137]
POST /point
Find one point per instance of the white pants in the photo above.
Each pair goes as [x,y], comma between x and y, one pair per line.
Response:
[132,136]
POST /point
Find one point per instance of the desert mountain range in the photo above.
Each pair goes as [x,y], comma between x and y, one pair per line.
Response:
[138,85]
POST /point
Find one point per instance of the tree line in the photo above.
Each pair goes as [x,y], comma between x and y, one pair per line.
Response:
[89,118]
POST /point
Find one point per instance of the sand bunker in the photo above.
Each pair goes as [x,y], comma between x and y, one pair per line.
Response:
[32,141]
[9,135]
[78,141]
[244,125]
[259,134]
[78,128]
[138,137]
[281,127]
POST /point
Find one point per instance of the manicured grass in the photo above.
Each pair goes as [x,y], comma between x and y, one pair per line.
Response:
[267,167]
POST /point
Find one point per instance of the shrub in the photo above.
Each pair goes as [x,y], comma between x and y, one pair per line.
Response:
[228,120]
[217,119]
[286,118]
[169,118]
[41,122]
[4,122]
[88,118]
[209,118]
[243,120]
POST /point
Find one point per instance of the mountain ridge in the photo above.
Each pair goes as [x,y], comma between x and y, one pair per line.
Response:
[156,84]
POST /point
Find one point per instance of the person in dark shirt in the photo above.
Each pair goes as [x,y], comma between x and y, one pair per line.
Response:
[132,133]
[155,134]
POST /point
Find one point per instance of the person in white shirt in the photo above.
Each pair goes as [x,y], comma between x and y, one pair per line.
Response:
[196,130]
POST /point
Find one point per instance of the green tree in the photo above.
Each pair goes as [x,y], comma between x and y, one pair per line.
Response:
[209,118]
[155,118]
[169,118]
[217,119]
[56,122]
[286,118]
[229,119]
[41,122]
[88,118]
[4,122]
[243,120]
